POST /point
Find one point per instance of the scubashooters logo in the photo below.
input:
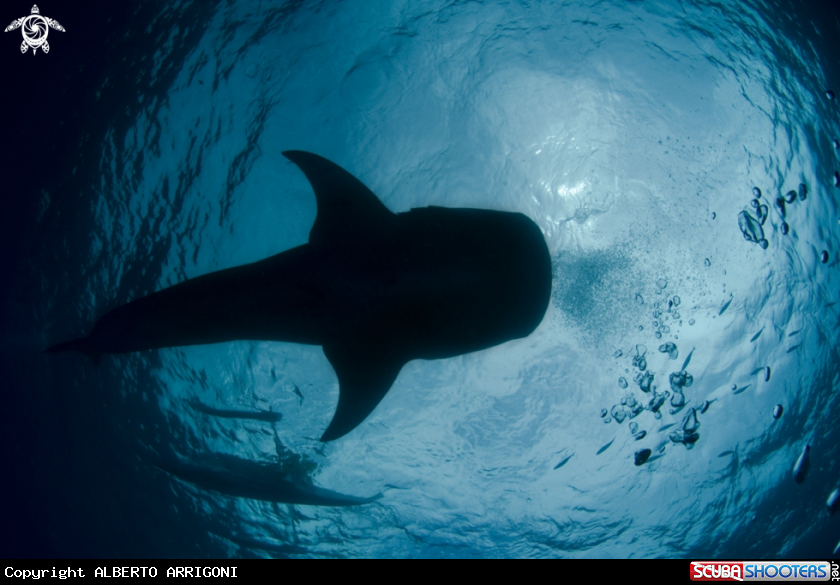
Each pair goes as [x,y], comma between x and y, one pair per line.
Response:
[35,29]
[760,571]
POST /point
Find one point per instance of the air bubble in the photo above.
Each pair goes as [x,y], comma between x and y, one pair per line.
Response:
[622,382]
[661,283]
[639,299]
[645,381]
[829,94]
[785,228]
[641,456]
[603,412]
[619,414]
[762,213]
[707,262]
[777,411]
[803,191]
[750,228]
[691,321]
[690,422]
[755,203]
[714,215]
[790,196]
[780,205]
[756,192]
[670,349]
[824,256]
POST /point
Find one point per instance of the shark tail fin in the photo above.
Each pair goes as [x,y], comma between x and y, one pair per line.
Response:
[80,345]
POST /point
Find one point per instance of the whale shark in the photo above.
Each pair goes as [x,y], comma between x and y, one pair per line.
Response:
[375,289]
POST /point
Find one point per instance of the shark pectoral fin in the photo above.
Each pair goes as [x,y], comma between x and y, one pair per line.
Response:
[363,382]
[81,345]
[346,208]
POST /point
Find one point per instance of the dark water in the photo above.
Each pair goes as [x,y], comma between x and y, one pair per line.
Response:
[144,149]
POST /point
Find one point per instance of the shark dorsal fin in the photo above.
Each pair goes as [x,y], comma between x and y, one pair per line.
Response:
[363,381]
[346,207]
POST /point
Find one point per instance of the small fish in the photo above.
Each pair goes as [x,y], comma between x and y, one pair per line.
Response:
[800,468]
[794,348]
[833,501]
[726,306]
[726,453]
[605,447]
[739,390]
[299,393]
[666,427]
[564,462]
[704,407]
[687,359]
[836,548]
[792,333]
[757,335]
[757,370]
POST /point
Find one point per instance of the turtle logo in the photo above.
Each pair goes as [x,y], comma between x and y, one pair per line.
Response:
[35,28]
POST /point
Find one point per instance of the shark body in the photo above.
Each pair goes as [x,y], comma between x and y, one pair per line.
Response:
[375,289]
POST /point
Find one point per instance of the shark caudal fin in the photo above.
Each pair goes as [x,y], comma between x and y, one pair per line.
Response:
[80,345]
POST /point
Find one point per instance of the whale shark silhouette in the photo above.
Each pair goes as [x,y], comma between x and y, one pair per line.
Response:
[374,288]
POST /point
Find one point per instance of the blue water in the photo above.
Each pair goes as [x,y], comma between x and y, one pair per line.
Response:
[632,133]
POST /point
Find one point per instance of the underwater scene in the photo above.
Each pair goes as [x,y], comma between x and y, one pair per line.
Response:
[677,395]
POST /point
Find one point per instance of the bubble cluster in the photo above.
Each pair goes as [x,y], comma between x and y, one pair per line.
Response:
[630,408]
